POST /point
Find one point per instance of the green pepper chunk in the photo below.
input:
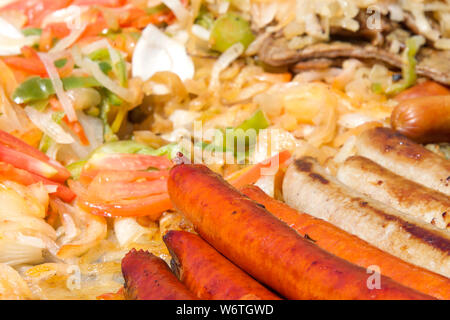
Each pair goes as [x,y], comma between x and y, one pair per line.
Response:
[228,30]
[257,121]
[205,18]
[239,140]
[57,116]
[409,74]
[37,88]
[76,168]
[123,146]
[45,143]
[32,32]
[133,147]
[105,67]
[60,63]
[99,54]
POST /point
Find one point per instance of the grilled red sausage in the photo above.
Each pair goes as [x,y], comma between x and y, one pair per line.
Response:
[267,248]
[209,274]
[148,277]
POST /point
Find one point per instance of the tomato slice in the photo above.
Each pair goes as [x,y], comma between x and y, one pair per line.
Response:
[9,172]
[104,3]
[152,207]
[251,174]
[36,10]
[24,156]
[127,162]
[87,176]
[99,191]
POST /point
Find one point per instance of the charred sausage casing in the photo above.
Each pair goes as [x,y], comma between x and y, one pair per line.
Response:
[406,158]
[352,248]
[402,194]
[148,277]
[267,248]
[308,188]
[209,274]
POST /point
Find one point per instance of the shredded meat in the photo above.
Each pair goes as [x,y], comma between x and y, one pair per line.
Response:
[432,63]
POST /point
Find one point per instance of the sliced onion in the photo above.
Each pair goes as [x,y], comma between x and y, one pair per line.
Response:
[178,9]
[44,121]
[353,120]
[51,188]
[31,241]
[395,12]
[92,230]
[156,52]
[94,69]
[230,55]
[94,46]
[127,231]
[200,32]
[12,285]
[267,184]
[12,39]
[66,103]
[69,40]
[70,228]
[9,120]
[443,44]
[70,15]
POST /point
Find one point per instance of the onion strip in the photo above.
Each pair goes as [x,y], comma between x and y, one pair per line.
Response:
[66,102]
[69,40]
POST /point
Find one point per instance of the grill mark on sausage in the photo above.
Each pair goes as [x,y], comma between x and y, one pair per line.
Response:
[321,179]
[428,236]
[394,141]
[303,165]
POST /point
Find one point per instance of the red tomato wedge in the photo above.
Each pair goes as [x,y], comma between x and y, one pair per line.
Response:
[101,190]
[87,176]
[122,191]
[251,174]
[9,172]
[36,10]
[104,3]
[125,193]
[26,157]
[127,162]
[153,207]
[31,66]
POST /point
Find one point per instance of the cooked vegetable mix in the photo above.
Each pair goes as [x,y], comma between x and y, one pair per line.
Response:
[108,108]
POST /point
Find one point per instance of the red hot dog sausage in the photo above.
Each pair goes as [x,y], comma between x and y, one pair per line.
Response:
[207,273]
[267,248]
[148,277]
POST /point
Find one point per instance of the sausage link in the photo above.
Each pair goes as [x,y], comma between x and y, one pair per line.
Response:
[424,119]
[209,274]
[148,277]
[308,188]
[352,248]
[267,248]
[402,194]
[406,158]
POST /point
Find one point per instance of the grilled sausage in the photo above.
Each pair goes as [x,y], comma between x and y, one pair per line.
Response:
[267,248]
[402,194]
[406,158]
[209,274]
[424,119]
[424,89]
[308,188]
[352,248]
[148,277]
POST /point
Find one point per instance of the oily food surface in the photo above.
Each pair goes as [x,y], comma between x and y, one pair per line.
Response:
[98,98]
